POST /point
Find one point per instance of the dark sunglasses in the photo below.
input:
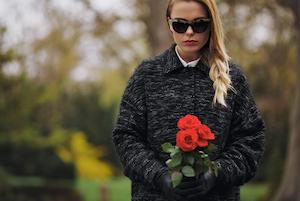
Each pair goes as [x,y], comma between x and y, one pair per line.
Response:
[198,25]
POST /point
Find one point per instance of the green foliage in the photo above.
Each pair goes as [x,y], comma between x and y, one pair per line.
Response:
[38,189]
[39,114]
[174,161]
[188,171]
[189,159]
[24,160]
[168,147]
[189,164]
[176,177]
[112,86]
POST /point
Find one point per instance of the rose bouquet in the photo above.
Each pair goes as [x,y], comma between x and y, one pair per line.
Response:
[189,157]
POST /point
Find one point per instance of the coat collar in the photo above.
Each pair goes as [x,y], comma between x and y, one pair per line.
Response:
[174,63]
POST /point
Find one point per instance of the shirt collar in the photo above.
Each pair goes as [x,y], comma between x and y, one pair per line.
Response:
[184,63]
[173,62]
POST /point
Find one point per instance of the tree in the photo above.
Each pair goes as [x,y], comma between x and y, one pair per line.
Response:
[289,188]
[158,37]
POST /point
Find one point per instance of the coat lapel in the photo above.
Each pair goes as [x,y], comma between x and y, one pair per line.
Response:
[174,63]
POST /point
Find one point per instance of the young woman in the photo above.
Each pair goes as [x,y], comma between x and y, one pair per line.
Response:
[194,76]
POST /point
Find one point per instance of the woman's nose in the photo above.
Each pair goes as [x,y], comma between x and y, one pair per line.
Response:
[189,30]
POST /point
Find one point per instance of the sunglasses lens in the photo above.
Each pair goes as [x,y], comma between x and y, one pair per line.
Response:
[200,27]
[180,27]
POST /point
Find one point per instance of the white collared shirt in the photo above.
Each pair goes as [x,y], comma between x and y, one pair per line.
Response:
[184,63]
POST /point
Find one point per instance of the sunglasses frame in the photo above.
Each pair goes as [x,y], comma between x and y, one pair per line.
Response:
[189,23]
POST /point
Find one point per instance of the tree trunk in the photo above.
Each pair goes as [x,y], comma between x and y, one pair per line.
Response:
[290,184]
[159,36]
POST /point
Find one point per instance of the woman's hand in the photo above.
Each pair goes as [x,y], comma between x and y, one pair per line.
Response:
[194,188]
[165,183]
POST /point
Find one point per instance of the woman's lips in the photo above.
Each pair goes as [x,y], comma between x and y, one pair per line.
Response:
[189,42]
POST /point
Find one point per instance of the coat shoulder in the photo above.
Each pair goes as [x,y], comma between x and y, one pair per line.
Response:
[236,72]
[237,75]
[153,64]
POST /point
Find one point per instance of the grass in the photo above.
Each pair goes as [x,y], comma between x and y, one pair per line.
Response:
[118,189]
[253,191]
[121,190]
[89,190]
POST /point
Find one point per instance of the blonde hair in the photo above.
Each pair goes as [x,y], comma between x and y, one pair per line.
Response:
[216,55]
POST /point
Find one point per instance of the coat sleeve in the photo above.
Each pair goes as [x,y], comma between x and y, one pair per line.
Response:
[130,131]
[245,144]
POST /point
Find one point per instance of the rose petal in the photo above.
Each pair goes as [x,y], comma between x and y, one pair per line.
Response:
[204,132]
[202,142]
[188,121]
[187,139]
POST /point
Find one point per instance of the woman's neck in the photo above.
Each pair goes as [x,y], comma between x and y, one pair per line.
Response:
[187,57]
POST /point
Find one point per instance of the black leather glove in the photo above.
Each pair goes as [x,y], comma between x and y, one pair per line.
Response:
[192,188]
[165,183]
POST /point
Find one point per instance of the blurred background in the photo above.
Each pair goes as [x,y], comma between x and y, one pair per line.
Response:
[63,68]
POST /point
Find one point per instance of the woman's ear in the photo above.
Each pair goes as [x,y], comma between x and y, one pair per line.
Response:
[169,25]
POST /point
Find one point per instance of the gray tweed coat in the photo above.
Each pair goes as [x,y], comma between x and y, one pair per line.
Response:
[159,92]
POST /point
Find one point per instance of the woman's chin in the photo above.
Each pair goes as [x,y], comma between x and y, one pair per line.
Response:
[191,49]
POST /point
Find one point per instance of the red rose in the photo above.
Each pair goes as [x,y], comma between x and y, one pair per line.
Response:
[201,142]
[205,132]
[188,122]
[187,139]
